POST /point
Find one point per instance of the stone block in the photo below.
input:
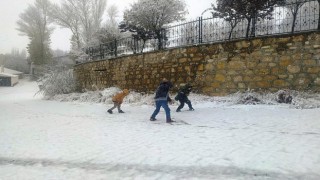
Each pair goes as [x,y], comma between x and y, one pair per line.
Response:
[316,46]
[313,70]
[241,85]
[317,81]
[272,64]
[220,78]
[298,38]
[251,64]
[209,67]
[262,65]
[200,67]
[280,83]
[247,78]
[256,42]
[265,47]
[237,65]
[293,69]
[197,59]
[285,61]
[232,72]
[310,62]
[262,71]
[238,79]
[229,85]
[221,65]
[269,78]
[257,78]
[302,81]
[183,60]
[284,40]
[267,59]
[215,85]
[263,84]
[209,78]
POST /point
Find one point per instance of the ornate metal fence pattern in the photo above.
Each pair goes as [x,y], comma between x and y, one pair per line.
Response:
[294,17]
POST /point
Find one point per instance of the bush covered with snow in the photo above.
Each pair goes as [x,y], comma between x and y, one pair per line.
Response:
[302,100]
[57,82]
[294,99]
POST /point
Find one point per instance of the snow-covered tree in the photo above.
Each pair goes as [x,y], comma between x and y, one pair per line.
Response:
[34,23]
[227,9]
[109,30]
[82,17]
[294,6]
[252,10]
[57,81]
[152,15]
[138,34]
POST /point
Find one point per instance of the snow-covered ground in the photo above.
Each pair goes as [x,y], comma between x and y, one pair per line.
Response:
[41,139]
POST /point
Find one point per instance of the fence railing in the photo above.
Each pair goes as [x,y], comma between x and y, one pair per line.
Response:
[285,19]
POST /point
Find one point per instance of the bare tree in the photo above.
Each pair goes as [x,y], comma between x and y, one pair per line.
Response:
[66,17]
[34,23]
[109,31]
[82,17]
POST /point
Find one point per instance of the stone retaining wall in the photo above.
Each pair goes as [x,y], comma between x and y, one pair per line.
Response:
[261,64]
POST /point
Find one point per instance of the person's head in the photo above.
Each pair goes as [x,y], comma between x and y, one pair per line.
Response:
[165,81]
[126,91]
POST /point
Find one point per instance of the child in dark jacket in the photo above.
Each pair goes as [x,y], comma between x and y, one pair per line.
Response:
[162,98]
[182,97]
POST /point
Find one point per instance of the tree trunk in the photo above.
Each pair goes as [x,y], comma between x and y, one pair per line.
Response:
[319,16]
[253,27]
[294,21]
[230,34]
[143,44]
[248,27]
[159,37]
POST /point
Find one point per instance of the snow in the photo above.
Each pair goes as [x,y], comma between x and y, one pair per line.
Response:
[50,139]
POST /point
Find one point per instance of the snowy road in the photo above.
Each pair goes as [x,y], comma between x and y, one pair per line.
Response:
[58,140]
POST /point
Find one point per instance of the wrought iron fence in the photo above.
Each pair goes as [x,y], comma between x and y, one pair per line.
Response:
[294,17]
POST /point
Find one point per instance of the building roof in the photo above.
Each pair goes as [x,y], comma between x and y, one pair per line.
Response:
[11,71]
[7,75]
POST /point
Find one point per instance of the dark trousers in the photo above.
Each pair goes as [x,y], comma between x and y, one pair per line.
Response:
[182,101]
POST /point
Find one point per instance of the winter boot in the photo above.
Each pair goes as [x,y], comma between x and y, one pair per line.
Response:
[109,111]
[121,111]
[191,109]
[152,119]
[178,110]
[170,121]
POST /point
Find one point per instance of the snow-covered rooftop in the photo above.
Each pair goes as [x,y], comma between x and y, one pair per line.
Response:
[11,71]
